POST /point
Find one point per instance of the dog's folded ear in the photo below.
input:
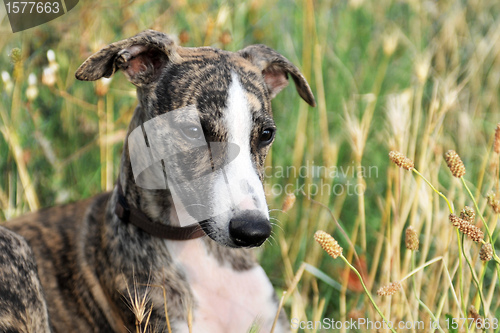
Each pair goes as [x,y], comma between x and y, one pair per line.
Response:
[141,58]
[275,69]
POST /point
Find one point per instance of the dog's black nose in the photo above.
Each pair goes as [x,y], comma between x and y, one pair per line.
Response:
[249,229]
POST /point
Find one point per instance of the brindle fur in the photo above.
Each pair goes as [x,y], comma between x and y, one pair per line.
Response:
[89,261]
[21,295]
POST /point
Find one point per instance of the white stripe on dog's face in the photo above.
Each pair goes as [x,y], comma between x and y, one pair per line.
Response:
[238,187]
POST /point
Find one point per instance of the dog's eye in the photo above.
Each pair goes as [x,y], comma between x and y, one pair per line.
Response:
[267,136]
[192,132]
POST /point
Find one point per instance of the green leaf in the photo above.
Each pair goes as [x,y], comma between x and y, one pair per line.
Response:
[323,276]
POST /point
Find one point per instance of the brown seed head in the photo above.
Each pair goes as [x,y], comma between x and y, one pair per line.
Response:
[496,144]
[493,202]
[468,214]
[225,38]
[390,289]
[328,243]
[401,160]
[455,163]
[486,253]
[473,312]
[411,239]
[184,37]
[455,220]
[473,232]
[475,315]
[288,202]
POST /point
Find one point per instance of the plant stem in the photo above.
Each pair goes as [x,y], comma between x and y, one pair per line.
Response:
[415,270]
[367,292]
[415,290]
[435,190]
[476,281]
[461,276]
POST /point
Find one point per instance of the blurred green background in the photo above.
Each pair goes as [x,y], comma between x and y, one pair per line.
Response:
[416,76]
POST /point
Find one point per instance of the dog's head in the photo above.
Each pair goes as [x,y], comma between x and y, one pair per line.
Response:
[206,117]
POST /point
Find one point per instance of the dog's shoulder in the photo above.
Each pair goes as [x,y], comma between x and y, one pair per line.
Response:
[68,215]
[22,303]
[54,238]
[59,226]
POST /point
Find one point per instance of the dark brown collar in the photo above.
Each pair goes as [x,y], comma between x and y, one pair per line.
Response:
[140,220]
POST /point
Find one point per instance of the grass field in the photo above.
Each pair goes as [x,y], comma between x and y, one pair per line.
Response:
[418,77]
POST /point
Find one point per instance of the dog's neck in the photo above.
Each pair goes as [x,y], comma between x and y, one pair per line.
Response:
[156,205]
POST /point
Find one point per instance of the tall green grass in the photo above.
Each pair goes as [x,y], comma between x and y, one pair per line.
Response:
[419,77]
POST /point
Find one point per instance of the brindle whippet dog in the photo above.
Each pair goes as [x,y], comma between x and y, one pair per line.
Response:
[89,265]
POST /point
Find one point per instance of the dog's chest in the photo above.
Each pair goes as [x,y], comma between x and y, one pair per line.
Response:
[226,300]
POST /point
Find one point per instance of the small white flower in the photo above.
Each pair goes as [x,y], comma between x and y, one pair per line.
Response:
[5,77]
[32,79]
[106,81]
[31,93]
[51,55]
[7,82]
[49,76]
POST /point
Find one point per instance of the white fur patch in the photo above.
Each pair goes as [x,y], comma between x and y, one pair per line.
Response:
[238,186]
[226,300]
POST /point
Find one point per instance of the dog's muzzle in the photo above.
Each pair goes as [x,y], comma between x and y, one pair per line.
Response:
[249,229]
